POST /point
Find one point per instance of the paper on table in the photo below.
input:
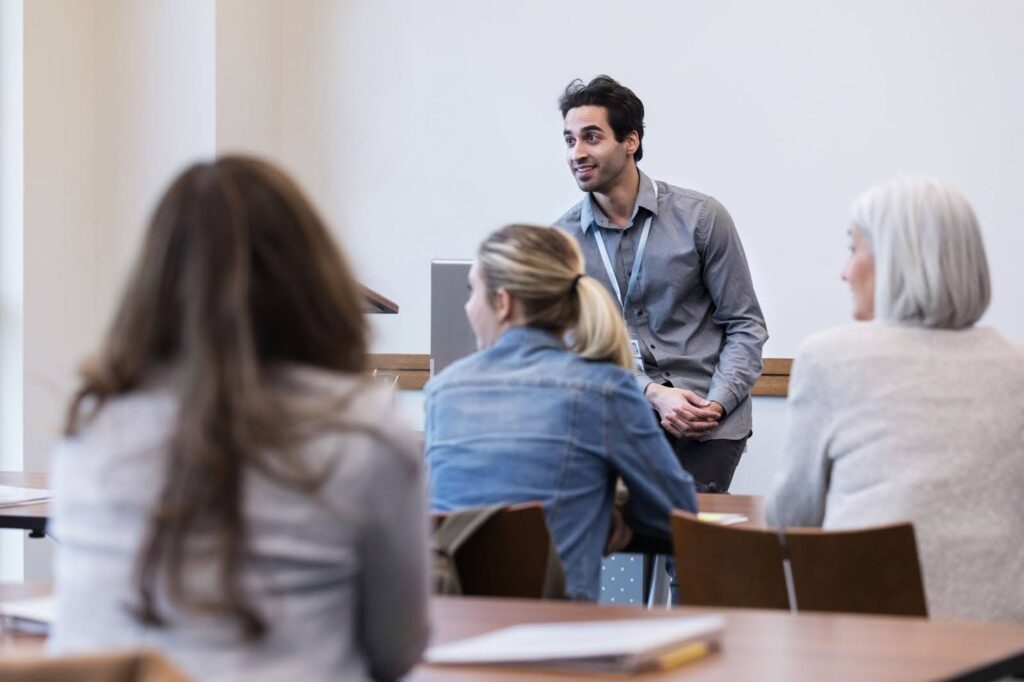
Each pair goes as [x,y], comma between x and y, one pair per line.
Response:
[32,615]
[11,496]
[722,519]
[629,641]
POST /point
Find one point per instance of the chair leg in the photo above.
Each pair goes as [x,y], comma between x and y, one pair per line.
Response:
[660,593]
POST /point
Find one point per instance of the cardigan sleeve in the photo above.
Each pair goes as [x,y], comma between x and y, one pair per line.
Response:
[801,488]
[394,580]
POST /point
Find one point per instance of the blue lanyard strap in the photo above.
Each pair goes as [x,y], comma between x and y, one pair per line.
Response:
[635,274]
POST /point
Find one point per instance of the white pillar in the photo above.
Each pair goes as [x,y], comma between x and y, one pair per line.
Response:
[11,273]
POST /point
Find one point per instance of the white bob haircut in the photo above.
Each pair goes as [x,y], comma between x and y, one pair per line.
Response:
[930,265]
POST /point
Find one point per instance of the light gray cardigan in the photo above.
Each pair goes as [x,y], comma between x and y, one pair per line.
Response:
[890,423]
[341,577]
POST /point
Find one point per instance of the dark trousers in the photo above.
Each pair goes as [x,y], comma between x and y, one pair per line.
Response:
[711,462]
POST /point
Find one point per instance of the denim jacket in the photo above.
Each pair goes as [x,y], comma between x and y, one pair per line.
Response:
[528,420]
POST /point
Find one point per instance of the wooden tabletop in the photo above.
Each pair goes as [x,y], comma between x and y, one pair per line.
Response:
[761,645]
[30,517]
[751,506]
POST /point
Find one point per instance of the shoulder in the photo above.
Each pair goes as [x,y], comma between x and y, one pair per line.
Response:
[348,417]
[473,365]
[838,351]
[604,378]
[840,341]
[681,197]
[703,214]
[570,220]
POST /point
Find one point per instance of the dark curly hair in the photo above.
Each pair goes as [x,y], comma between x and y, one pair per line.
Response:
[625,110]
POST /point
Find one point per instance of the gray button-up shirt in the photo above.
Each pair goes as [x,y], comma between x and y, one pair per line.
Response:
[693,308]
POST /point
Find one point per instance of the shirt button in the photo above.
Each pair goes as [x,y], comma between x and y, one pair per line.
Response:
[652,345]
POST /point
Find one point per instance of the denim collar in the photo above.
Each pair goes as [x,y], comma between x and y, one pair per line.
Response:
[518,337]
[591,213]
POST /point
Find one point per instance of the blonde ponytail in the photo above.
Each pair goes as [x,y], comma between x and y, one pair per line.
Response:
[599,333]
[542,268]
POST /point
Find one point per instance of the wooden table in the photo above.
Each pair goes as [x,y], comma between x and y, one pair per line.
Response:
[30,517]
[751,506]
[33,517]
[761,645]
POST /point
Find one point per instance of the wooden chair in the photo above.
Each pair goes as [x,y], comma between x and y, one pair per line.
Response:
[727,565]
[870,570]
[508,556]
[107,667]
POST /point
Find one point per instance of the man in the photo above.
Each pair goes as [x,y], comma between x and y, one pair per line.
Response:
[673,259]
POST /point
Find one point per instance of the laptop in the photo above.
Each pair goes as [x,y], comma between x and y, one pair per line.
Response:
[451,337]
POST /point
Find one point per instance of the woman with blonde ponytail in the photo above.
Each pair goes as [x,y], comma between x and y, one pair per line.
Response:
[547,410]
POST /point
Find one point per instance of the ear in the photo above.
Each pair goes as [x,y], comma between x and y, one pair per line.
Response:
[632,142]
[503,305]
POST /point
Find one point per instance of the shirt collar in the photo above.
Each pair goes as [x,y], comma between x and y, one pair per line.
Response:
[645,198]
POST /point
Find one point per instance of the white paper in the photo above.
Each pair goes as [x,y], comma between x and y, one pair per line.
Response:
[11,496]
[722,519]
[573,641]
[33,614]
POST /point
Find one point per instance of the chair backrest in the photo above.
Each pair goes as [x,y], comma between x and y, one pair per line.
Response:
[112,667]
[870,570]
[508,556]
[726,565]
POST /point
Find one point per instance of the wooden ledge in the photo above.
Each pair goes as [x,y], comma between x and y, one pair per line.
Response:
[414,370]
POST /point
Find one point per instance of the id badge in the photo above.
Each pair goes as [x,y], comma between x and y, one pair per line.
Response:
[638,360]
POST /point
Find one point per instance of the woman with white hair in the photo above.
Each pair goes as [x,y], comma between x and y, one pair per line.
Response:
[918,415]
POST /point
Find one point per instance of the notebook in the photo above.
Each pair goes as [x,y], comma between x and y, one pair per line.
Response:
[12,496]
[616,645]
[32,615]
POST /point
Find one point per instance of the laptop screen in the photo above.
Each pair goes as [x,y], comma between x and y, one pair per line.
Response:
[451,337]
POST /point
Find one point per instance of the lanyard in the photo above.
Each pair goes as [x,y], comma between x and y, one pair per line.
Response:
[635,274]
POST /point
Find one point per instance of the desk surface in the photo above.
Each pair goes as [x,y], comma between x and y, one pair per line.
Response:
[32,516]
[763,645]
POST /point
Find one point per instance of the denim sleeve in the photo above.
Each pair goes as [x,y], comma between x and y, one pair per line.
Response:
[643,458]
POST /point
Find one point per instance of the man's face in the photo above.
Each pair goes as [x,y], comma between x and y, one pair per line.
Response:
[597,160]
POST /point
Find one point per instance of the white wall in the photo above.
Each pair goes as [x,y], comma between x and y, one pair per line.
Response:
[443,126]
[419,127]
[113,108]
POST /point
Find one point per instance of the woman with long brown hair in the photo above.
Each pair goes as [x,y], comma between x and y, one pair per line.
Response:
[230,488]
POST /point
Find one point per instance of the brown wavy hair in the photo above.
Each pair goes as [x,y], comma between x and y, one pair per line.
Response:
[237,276]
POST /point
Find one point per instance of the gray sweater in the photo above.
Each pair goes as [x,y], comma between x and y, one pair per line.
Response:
[890,423]
[340,576]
